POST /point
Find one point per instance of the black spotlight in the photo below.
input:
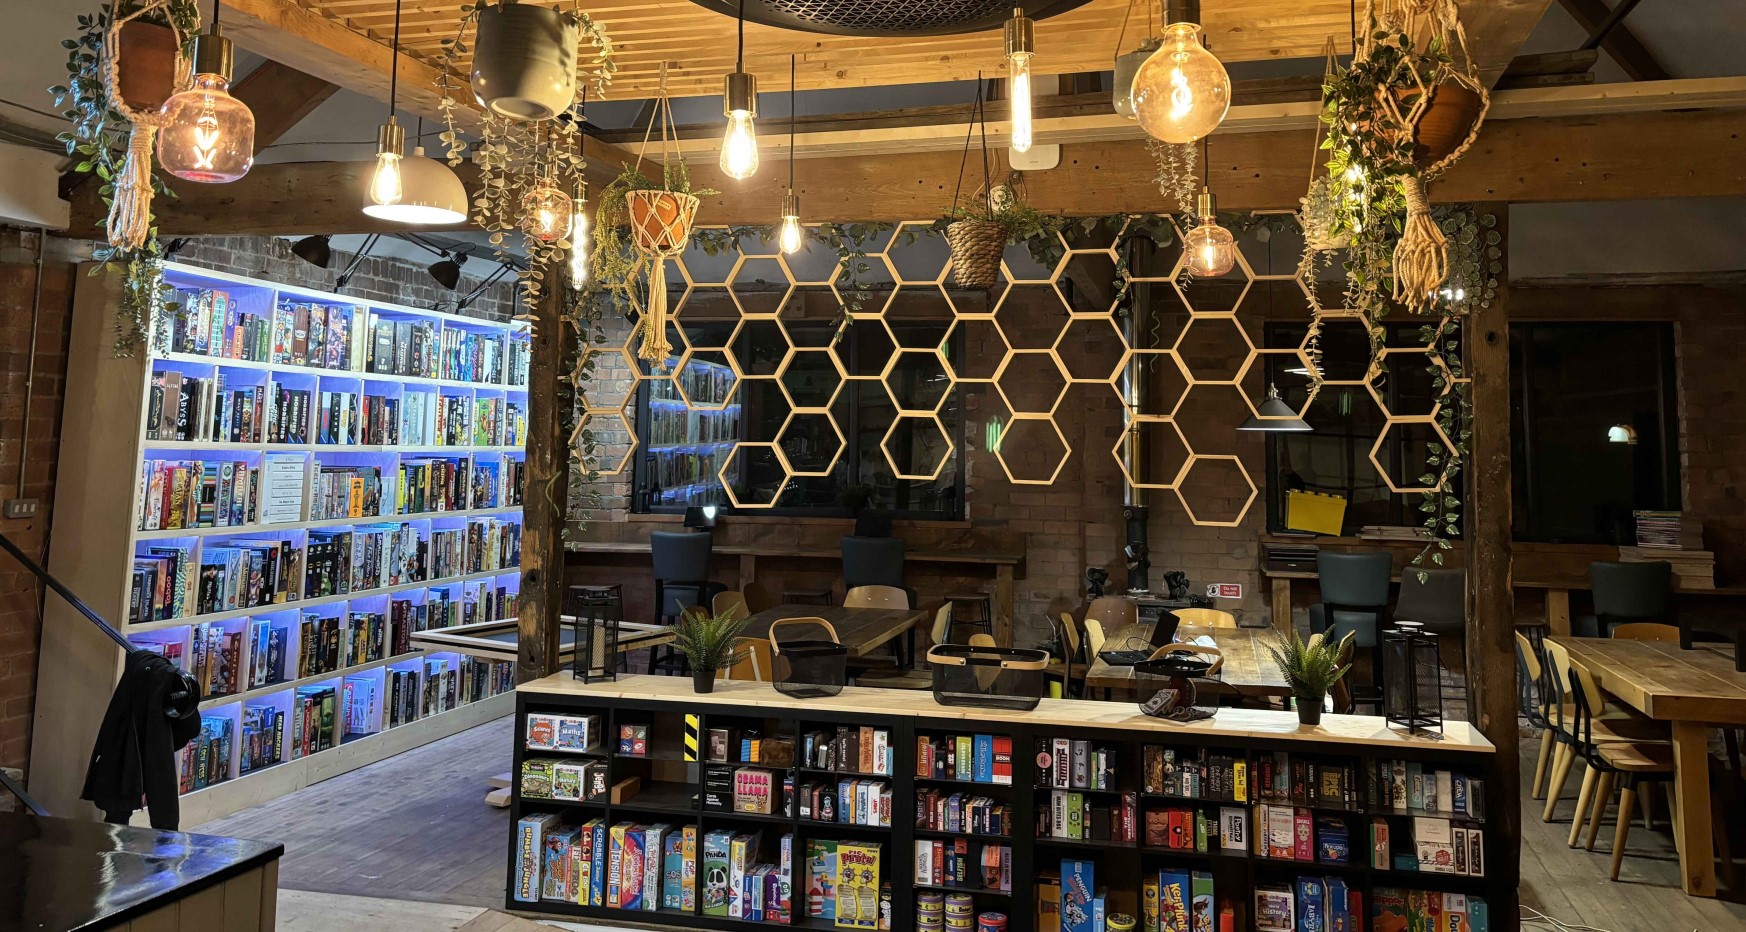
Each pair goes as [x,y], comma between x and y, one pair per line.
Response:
[314,250]
[447,271]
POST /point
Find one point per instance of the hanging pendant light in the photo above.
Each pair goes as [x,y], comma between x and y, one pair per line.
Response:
[1182,92]
[431,194]
[210,135]
[792,236]
[547,213]
[1211,248]
[385,184]
[1021,47]
[1275,416]
[579,237]
[739,147]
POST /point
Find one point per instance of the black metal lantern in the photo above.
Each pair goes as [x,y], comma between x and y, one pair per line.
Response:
[1412,690]
[595,613]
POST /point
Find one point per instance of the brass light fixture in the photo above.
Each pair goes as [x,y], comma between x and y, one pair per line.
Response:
[1021,47]
[739,146]
[385,187]
[210,135]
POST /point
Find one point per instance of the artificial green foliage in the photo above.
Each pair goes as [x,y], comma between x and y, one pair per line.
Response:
[710,641]
[1312,667]
[97,140]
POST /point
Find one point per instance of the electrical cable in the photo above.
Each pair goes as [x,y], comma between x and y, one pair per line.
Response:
[29,109]
[1532,916]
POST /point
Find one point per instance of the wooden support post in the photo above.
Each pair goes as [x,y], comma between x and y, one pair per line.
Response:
[545,500]
[1491,662]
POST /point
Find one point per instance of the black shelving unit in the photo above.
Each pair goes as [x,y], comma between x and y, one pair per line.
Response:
[1120,864]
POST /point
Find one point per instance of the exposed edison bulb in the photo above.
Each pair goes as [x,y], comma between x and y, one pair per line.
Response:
[546,214]
[385,186]
[579,245]
[1018,73]
[1182,92]
[1212,251]
[209,135]
[739,147]
[792,235]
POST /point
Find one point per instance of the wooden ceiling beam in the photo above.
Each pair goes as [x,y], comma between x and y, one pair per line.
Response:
[1496,30]
[280,97]
[1576,158]
[1638,63]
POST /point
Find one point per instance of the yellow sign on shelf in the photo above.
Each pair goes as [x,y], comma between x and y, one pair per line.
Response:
[1313,511]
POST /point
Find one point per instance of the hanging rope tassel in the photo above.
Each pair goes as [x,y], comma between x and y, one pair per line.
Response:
[1421,258]
[130,215]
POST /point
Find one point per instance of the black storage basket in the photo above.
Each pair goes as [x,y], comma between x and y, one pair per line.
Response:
[810,668]
[1176,666]
[988,677]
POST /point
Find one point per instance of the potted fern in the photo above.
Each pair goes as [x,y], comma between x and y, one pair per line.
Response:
[709,642]
[1311,668]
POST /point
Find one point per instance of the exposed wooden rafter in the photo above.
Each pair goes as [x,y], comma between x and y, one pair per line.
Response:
[280,97]
[1621,43]
[1576,158]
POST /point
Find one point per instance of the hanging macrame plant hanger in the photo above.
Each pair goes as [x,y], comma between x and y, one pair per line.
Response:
[130,209]
[1421,258]
[977,241]
[661,221]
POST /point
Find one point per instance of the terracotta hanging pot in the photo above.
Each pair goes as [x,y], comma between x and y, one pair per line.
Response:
[524,60]
[146,68]
[976,249]
[660,220]
[1448,120]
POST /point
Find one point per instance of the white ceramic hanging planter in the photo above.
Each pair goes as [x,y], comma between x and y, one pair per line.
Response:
[524,60]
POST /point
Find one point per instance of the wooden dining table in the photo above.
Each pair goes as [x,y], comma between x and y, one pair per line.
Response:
[862,630]
[1694,691]
[1248,670]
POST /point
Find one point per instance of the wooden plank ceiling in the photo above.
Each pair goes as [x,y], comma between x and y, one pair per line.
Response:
[698,43]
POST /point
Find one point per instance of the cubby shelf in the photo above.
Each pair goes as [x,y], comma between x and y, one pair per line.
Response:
[1121,865]
[99,531]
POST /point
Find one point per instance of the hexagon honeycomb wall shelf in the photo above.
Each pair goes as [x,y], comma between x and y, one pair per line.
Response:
[1087,294]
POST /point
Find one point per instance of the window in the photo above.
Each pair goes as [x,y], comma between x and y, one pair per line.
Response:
[1334,459]
[1592,433]
[1593,430]
[691,425]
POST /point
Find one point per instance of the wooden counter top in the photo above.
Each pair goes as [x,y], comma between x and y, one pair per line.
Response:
[1365,730]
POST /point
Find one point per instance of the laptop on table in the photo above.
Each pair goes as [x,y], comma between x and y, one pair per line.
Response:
[1137,651]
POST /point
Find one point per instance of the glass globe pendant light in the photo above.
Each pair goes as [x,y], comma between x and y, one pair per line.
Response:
[210,135]
[547,214]
[739,147]
[385,186]
[1021,47]
[1182,92]
[792,236]
[1211,249]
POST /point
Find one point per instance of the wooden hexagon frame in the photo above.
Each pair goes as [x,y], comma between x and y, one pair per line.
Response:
[896,471]
[1060,464]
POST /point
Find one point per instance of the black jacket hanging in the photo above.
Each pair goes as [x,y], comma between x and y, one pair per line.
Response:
[154,712]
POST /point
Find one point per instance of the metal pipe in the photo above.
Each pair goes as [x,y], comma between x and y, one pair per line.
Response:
[30,361]
[65,593]
[1603,28]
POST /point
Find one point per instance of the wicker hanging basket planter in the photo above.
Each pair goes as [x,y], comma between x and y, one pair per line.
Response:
[660,221]
[146,64]
[977,246]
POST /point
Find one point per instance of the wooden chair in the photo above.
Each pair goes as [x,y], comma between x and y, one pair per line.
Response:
[728,599]
[980,639]
[1534,697]
[894,678]
[876,597]
[757,665]
[1578,729]
[1341,694]
[1629,764]
[1646,631]
[759,597]
[1113,612]
[1205,617]
[1093,639]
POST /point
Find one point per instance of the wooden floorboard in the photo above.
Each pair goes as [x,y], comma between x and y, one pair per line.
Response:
[415,827]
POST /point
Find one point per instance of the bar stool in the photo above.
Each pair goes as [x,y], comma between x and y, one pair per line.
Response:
[978,613]
[807,597]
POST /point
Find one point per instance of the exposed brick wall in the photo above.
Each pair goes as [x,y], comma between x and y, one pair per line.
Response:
[383,279]
[20,595]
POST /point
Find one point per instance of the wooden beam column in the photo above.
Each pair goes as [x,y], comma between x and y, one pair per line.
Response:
[546,495]
[1491,663]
